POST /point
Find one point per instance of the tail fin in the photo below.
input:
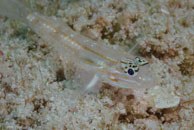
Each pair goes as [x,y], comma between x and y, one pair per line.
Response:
[14,9]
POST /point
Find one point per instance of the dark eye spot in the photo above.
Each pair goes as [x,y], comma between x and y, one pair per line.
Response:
[130,72]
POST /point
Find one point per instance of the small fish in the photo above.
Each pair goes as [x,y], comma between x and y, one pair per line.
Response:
[97,62]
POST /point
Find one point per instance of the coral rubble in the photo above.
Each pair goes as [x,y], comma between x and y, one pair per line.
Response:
[38,92]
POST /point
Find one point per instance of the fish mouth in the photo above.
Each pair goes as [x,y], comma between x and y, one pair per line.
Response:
[144,79]
[121,80]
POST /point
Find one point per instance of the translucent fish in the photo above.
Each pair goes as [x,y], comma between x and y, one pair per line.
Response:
[97,62]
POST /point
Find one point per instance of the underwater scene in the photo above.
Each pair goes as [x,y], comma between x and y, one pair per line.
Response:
[96,65]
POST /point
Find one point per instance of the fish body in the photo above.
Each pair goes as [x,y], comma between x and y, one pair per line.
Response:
[98,62]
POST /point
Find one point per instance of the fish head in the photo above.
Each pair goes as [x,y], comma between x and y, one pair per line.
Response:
[131,73]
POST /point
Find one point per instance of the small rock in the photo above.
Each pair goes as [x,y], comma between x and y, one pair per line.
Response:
[164,98]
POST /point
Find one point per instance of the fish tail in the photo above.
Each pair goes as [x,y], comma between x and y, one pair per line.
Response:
[14,9]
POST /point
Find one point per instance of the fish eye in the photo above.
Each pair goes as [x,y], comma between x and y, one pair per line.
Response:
[131,71]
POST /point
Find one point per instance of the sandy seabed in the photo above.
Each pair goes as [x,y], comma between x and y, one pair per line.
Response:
[37,91]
